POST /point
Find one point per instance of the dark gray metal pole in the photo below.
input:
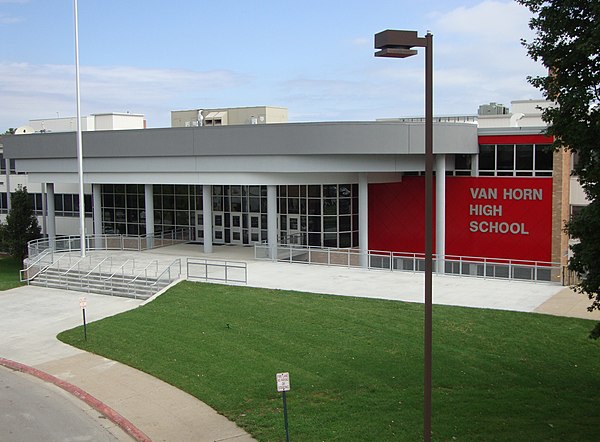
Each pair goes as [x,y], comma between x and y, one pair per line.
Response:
[285,419]
[428,237]
[84,326]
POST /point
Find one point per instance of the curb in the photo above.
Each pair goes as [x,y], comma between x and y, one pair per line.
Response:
[96,404]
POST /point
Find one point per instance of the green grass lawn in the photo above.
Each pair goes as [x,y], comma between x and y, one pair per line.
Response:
[356,365]
[9,273]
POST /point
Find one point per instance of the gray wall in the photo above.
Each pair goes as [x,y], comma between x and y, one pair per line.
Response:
[281,139]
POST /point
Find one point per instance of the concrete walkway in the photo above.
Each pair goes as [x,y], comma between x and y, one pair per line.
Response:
[30,318]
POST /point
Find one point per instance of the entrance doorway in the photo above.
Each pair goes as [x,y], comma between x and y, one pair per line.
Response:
[293,229]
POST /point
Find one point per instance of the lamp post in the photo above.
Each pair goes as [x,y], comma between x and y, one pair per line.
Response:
[400,44]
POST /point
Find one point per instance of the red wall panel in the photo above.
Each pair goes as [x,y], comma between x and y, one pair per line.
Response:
[396,216]
[499,217]
[485,217]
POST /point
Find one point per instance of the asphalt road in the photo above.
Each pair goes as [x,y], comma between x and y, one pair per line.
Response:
[33,410]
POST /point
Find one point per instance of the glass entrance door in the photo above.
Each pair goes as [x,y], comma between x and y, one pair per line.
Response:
[236,228]
[218,228]
[199,226]
[293,229]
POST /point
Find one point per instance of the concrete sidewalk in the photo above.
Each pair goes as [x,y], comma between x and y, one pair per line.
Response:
[30,318]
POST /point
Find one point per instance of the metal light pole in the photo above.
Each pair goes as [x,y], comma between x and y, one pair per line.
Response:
[399,44]
[79,138]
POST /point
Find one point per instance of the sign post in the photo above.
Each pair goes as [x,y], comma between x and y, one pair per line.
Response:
[283,385]
[82,304]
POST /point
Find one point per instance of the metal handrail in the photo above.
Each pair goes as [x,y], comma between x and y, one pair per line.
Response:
[105,241]
[34,263]
[504,268]
[143,271]
[166,271]
[98,265]
[218,263]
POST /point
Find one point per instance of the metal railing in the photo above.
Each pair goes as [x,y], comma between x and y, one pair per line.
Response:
[494,268]
[108,242]
[170,274]
[41,262]
[217,270]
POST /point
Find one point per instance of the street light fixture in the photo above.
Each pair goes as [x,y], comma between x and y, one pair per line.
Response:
[399,44]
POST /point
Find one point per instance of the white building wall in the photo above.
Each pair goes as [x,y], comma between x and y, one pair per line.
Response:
[577,196]
[115,121]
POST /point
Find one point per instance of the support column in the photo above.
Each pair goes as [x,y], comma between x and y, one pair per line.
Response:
[149,209]
[363,219]
[207,217]
[51,220]
[440,211]
[7,166]
[272,221]
[44,211]
[97,211]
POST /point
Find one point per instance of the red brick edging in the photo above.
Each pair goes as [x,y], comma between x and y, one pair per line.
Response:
[97,405]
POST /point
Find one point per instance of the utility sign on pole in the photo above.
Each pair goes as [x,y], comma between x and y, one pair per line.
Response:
[83,304]
[283,382]
[283,385]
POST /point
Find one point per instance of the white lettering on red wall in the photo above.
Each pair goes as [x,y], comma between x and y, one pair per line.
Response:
[509,227]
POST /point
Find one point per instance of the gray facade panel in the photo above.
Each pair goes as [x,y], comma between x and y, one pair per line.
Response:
[276,139]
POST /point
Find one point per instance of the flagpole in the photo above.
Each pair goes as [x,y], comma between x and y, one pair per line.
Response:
[79,138]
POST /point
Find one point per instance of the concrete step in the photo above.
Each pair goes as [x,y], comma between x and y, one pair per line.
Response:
[97,283]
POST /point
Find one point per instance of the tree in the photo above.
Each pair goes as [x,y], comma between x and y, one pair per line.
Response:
[567,42]
[21,225]
[10,131]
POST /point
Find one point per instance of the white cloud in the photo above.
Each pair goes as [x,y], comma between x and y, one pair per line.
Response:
[30,91]
[491,20]
[6,19]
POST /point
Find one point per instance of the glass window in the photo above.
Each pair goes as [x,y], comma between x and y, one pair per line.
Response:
[68,202]
[330,223]
[314,207]
[462,162]
[345,190]
[345,240]
[314,224]
[236,204]
[487,157]
[182,202]
[330,239]
[119,200]
[255,205]
[345,224]
[330,206]
[293,205]
[329,190]
[58,203]
[506,156]
[132,200]
[543,157]
[314,191]
[344,206]
[524,157]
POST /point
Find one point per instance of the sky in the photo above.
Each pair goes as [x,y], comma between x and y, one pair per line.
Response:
[313,57]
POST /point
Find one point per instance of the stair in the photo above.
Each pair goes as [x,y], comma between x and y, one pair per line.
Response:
[108,275]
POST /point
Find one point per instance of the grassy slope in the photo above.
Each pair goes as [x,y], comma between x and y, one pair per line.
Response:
[9,273]
[356,364]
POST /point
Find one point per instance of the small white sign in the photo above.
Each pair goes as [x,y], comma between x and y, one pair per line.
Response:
[283,382]
[82,302]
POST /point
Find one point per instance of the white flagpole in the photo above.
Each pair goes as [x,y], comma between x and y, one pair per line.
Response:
[79,138]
